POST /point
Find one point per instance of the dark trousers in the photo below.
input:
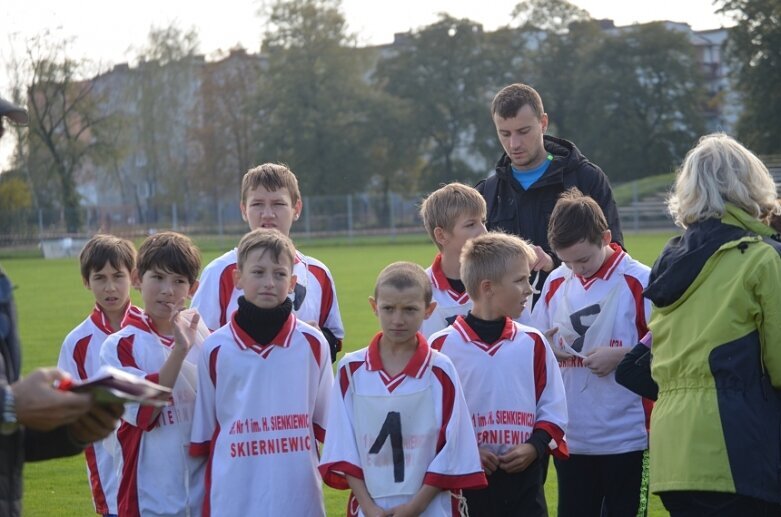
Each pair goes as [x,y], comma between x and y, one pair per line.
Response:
[605,485]
[521,494]
[716,504]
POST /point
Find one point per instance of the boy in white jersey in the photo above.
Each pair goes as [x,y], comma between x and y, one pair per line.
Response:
[270,198]
[106,263]
[264,383]
[451,215]
[399,434]
[511,380]
[157,476]
[594,301]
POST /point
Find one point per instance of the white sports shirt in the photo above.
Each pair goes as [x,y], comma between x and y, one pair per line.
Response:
[80,357]
[607,309]
[158,476]
[314,298]
[259,411]
[512,386]
[398,433]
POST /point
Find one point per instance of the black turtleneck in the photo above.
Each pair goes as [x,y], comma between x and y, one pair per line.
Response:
[457,284]
[488,331]
[262,324]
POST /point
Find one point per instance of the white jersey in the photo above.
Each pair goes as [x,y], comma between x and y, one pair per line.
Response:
[80,357]
[399,433]
[158,477]
[512,387]
[450,303]
[258,414]
[607,309]
[314,297]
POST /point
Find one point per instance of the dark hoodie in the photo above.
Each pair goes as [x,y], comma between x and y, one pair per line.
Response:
[526,213]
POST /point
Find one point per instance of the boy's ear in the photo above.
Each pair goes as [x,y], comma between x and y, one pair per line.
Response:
[85,281]
[373,303]
[430,309]
[440,235]
[293,281]
[243,209]
[486,288]
[607,237]
[297,207]
[135,278]
[236,274]
[193,288]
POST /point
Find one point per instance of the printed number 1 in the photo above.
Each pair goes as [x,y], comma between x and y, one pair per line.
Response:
[392,427]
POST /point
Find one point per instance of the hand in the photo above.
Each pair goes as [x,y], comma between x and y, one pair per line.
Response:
[41,406]
[518,458]
[185,331]
[560,354]
[97,424]
[604,359]
[544,261]
[489,460]
[404,510]
[375,511]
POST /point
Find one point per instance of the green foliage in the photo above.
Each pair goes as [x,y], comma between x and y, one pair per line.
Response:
[755,50]
[660,184]
[15,201]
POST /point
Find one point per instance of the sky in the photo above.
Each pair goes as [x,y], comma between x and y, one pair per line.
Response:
[107,32]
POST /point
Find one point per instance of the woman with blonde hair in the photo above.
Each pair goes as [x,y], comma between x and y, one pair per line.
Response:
[715,440]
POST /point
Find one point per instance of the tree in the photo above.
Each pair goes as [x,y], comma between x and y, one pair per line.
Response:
[639,102]
[754,47]
[550,16]
[64,120]
[447,73]
[313,100]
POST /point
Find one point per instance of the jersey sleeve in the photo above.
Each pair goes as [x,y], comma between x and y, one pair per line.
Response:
[324,389]
[540,314]
[120,351]
[340,453]
[551,413]
[457,462]
[205,414]
[67,361]
[207,297]
[330,317]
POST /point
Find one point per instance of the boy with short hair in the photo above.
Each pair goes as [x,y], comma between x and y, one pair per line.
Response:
[595,302]
[157,476]
[451,215]
[270,198]
[399,432]
[264,383]
[106,263]
[511,381]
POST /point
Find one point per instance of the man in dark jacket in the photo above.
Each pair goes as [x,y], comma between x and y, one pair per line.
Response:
[37,421]
[533,172]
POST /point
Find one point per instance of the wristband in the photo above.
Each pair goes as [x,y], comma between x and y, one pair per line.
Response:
[8,424]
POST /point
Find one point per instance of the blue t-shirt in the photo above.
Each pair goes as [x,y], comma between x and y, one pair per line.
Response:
[527,178]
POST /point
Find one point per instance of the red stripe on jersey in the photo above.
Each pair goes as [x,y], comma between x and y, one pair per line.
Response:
[80,357]
[319,433]
[352,506]
[441,282]
[637,295]
[344,379]
[648,406]
[326,292]
[226,291]
[438,342]
[199,449]
[448,402]
[333,474]
[125,352]
[552,288]
[314,344]
[540,369]
[127,497]
[98,496]
[207,479]
[146,417]
[448,482]
[561,451]
[213,365]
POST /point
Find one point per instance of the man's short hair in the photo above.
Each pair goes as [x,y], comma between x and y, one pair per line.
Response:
[403,275]
[576,217]
[513,97]
[270,240]
[170,252]
[488,256]
[272,177]
[444,206]
[104,249]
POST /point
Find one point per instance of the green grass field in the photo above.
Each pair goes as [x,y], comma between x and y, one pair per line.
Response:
[51,301]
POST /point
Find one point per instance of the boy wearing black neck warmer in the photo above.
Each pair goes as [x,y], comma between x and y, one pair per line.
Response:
[511,379]
[263,392]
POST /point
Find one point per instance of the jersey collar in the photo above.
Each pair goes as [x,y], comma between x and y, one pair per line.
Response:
[607,268]
[416,366]
[135,317]
[100,318]
[282,339]
[440,281]
[468,334]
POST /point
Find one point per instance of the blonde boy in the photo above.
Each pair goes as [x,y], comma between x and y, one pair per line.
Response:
[264,384]
[156,475]
[106,263]
[451,215]
[270,199]
[594,301]
[399,432]
[511,381]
